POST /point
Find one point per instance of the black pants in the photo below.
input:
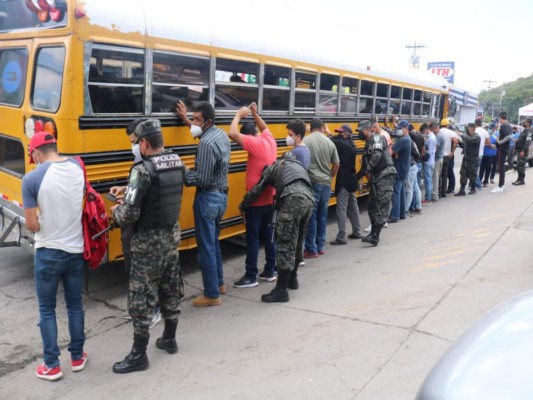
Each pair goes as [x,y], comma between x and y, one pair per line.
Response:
[485,168]
[444,175]
[451,174]
[502,155]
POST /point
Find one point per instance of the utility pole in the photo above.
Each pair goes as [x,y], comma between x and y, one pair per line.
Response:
[489,82]
[502,93]
[415,60]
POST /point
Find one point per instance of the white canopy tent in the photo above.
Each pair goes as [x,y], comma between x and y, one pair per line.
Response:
[526,111]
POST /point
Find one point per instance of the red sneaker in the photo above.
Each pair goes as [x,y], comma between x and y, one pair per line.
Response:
[78,365]
[49,374]
[321,252]
[308,254]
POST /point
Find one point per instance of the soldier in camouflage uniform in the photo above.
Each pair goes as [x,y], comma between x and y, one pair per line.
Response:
[522,149]
[294,203]
[379,169]
[470,142]
[152,203]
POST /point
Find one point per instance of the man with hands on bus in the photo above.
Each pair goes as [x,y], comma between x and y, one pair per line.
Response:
[258,217]
[210,176]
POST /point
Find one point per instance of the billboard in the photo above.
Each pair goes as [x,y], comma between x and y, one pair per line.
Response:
[446,69]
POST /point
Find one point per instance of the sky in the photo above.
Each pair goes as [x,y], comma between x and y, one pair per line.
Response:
[485,39]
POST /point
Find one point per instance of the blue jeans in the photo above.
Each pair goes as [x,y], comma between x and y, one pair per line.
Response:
[316,231]
[412,191]
[398,200]
[478,181]
[51,267]
[428,180]
[208,208]
[259,222]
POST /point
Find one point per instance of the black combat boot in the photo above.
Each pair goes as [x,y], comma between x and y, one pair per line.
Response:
[168,340]
[472,189]
[461,191]
[373,238]
[137,359]
[279,294]
[293,278]
[520,180]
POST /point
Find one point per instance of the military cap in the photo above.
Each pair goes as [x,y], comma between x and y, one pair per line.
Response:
[148,127]
[364,125]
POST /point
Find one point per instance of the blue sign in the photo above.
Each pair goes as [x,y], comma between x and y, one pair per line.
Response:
[11,77]
[446,69]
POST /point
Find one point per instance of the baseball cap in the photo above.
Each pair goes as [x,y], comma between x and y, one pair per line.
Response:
[402,124]
[363,125]
[38,140]
[345,128]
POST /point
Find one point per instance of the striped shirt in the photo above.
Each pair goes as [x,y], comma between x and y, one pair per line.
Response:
[212,161]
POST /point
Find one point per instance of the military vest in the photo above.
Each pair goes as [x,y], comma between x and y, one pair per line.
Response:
[290,171]
[162,203]
[378,142]
[472,149]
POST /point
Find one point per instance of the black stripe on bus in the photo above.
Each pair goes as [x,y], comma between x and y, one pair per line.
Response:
[227,223]
[114,122]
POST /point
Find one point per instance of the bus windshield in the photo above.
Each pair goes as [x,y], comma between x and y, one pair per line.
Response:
[33,14]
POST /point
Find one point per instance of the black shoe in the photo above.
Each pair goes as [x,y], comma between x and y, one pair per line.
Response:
[337,242]
[245,282]
[472,191]
[277,295]
[371,239]
[519,183]
[460,193]
[443,195]
[137,359]
[450,191]
[354,236]
[168,340]
[391,221]
[293,282]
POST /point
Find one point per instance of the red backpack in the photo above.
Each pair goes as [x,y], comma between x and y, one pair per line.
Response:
[94,220]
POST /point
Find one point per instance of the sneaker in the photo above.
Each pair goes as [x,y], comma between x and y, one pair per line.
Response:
[245,282]
[263,276]
[125,315]
[301,264]
[308,254]
[338,242]
[49,374]
[485,184]
[498,189]
[416,211]
[78,365]
[321,252]
[492,181]
[384,226]
[368,228]
[204,301]
[426,202]
[392,221]
[155,319]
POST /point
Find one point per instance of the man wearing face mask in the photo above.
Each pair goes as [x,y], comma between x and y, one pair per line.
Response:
[258,217]
[295,136]
[152,203]
[210,176]
[346,186]
[379,169]
[126,231]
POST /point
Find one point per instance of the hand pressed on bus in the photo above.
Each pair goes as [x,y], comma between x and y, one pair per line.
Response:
[181,110]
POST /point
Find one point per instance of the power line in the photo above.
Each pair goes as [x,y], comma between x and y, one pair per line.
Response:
[415,60]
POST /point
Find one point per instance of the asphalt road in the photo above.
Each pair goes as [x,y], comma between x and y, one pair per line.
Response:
[367,323]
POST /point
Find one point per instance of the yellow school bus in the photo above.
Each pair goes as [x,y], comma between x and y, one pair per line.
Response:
[84,70]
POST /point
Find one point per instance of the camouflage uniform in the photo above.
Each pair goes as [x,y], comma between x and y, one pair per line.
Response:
[294,204]
[522,145]
[155,270]
[381,172]
[470,159]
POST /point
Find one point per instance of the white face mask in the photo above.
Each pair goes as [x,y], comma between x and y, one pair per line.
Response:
[289,140]
[196,130]
[136,151]
[399,132]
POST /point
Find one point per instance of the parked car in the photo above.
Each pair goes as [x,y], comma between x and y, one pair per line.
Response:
[492,360]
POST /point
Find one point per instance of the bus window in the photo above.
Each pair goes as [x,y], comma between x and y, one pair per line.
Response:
[13,69]
[328,97]
[382,98]
[407,96]
[276,88]
[426,104]
[305,95]
[116,80]
[366,100]
[349,91]
[236,84]
[11,156]
[48,79]
[417,103]
[179,77]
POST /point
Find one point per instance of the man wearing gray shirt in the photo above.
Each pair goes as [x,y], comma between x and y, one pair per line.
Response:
[323,167]
[210,176]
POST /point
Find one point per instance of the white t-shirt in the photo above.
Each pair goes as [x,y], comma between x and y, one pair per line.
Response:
[56,189]
[483,134]
[447,135]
